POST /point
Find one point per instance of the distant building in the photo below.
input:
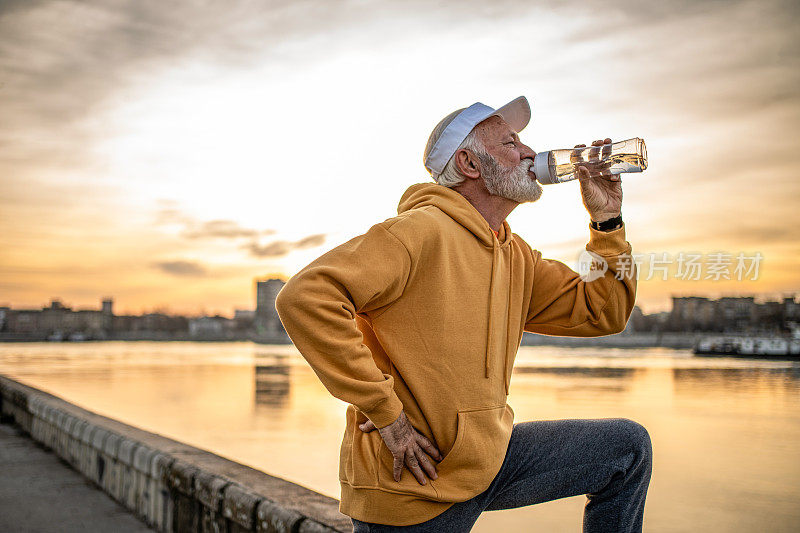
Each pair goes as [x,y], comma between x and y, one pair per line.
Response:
[107,310]
[731,314]
[244,314]
[769,316]
[637,321]
[23,321]
[243,320]
[151,325]
[791,309]
[57,319]
[267,323]
[736,314]
[209,327]
[691,313]
[162,322]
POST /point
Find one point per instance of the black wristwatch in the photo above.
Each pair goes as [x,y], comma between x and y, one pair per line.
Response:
[608,225]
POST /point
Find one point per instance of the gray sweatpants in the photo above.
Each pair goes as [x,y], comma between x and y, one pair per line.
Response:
[608,459]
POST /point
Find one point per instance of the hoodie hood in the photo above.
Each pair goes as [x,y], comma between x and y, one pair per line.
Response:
[462,211]
[457,207]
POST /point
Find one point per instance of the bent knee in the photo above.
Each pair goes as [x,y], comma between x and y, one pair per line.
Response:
[637,435]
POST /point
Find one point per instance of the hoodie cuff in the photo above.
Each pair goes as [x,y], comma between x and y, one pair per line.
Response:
[385,412]
[608,243]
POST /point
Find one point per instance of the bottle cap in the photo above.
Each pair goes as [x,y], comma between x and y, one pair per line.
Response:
[542,169]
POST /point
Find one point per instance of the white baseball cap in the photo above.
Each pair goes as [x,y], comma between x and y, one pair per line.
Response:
[516,113]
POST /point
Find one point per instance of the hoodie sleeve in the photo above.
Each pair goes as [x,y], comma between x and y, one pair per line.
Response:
[563,304]
[318,306]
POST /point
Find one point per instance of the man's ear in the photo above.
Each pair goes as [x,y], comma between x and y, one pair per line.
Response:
[468,163]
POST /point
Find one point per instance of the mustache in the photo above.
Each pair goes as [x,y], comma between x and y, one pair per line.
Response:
[523,167]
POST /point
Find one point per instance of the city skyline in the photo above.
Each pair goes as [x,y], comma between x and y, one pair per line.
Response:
[170,154]
[687,317]
[58,302]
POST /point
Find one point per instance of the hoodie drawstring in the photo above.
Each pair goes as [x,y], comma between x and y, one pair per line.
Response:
[491,292]
[506,377]
[509,323]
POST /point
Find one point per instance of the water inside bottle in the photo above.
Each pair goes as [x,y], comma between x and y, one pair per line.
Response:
[613,164]
[558,166]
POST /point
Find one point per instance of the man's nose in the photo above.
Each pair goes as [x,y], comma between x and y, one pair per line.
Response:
[526,152]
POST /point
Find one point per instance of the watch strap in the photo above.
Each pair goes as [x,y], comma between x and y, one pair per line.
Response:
[608,225]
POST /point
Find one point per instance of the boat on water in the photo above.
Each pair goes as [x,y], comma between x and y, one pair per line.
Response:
[760,346]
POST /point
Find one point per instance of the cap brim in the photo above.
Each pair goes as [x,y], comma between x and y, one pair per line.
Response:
[516,113]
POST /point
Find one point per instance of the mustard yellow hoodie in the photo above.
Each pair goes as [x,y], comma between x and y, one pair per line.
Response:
[425,312]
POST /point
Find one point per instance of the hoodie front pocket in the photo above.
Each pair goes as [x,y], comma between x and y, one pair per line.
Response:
[358,452]
[468,468]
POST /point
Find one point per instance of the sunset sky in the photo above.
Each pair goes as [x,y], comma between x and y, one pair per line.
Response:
[167,154]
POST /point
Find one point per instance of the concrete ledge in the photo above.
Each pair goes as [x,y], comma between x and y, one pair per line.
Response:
[239,506]
[209,491]
[171,486]
[272,518]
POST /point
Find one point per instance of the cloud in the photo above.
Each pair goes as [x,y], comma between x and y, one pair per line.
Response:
[311,241]
[63,60]
[710,83]
[226,229]
[211,229]
[171,215]
[281,248]
[181,268]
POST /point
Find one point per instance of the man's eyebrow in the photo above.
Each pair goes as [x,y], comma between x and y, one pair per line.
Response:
[514,136]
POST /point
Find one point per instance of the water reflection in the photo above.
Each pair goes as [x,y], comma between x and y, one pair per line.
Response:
[576,371]
[566,379]
[735,379]
[725,432]
[272,380]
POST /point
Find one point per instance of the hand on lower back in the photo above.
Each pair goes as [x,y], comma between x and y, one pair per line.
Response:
[408,448]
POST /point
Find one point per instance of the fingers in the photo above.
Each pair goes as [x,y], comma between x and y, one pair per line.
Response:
[410,460]
[429,448]
[600,150]
[575,156]
[410,449]
[427,465]
[606,147]
[397,467]
[367,426]
[417,462]
[594,152]
[413,463]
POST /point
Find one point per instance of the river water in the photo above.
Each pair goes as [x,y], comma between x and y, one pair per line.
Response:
[725,431]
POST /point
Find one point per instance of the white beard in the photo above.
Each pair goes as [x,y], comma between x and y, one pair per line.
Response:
[515,184]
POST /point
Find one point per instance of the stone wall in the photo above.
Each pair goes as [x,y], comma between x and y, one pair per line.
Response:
[170,485]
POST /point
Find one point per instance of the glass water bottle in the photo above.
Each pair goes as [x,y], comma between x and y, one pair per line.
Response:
[558,166]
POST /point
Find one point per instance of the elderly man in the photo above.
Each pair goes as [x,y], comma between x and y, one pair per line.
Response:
[416,324]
